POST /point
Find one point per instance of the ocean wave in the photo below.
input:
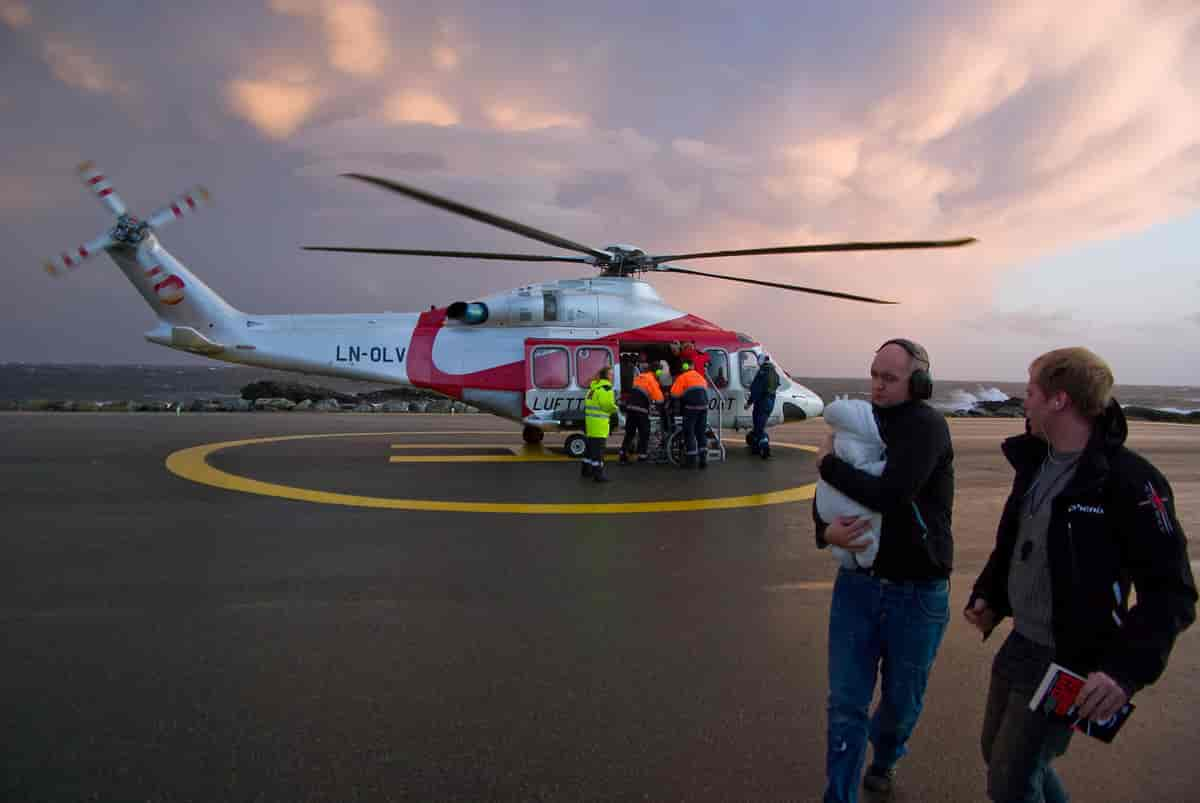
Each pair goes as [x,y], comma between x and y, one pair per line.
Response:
[963,400]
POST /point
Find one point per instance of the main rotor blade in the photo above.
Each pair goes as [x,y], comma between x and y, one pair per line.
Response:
[896,245]
[815,291]
[458,254]
[483,217]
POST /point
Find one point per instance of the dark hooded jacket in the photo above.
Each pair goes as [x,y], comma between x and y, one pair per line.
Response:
[1111,528]
[765,384]
[915,493]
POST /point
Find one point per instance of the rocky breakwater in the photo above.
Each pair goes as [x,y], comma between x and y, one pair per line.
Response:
[287,396]
[1015,408]
[1009,408]
[266,396]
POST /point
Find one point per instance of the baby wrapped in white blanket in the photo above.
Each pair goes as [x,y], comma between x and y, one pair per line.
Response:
[856,440]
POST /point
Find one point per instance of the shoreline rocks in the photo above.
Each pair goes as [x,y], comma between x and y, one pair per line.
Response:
[1014,408]
[265,397]
[1009,408]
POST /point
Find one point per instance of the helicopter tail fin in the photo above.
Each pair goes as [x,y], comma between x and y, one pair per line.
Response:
[191,315]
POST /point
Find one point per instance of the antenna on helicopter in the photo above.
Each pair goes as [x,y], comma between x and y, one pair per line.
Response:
[620,260]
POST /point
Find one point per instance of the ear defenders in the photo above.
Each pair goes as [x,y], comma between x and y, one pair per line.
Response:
[920,383]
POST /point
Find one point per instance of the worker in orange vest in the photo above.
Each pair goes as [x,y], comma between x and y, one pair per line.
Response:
[645,397]
[691,392]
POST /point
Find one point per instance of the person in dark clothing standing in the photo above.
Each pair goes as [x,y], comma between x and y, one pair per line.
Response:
[1086,520]
[888,619]
[762,397]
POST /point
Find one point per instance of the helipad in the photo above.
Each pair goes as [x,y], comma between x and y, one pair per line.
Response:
[668,488]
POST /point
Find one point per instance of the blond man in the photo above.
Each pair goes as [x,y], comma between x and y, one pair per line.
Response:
[1087,521]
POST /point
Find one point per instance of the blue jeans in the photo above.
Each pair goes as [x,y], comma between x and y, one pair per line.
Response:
[877,627]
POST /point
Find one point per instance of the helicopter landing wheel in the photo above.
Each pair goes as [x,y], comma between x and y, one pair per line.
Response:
[532,435]
[575,445]
[677,448]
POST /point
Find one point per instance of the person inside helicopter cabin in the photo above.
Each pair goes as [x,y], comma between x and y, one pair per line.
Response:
[665,380]
[673,360]
[690,392]
[598,408]
[698,359]
[643,400]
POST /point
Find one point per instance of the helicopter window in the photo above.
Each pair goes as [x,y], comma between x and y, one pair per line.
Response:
[747,367]
[588,362]
[718,367]
[549,307]
[551,367]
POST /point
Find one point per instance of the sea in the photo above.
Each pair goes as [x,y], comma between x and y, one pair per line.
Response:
[60,382]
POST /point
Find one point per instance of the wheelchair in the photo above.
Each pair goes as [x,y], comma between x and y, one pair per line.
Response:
[672,446]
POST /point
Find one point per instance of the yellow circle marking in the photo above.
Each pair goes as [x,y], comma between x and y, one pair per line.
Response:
[192,464]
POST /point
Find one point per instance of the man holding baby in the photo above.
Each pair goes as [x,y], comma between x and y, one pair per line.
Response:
[887,616]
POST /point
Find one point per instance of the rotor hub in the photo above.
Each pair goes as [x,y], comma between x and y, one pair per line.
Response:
[626,260]
[129,230]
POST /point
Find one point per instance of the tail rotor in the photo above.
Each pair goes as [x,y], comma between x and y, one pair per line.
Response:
[128,231]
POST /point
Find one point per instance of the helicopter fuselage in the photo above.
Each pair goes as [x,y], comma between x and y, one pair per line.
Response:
[527,354]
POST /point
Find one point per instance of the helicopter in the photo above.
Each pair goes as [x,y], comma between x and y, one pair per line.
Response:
[526,355]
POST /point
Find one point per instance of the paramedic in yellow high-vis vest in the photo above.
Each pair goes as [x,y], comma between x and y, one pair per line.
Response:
[598,408]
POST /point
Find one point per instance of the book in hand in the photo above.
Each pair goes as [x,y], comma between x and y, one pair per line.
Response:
[1055,698]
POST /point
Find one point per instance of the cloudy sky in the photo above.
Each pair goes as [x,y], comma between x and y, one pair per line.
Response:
[1067,142]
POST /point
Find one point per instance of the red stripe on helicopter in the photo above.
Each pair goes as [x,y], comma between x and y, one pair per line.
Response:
[511,376]
[105,191]
[150,274]
[83,252]
[67,261]
[95,179]
[688,327]
[191,204]
[176,210]
[424,374]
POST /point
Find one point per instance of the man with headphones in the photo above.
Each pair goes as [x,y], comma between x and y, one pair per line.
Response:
[889,619]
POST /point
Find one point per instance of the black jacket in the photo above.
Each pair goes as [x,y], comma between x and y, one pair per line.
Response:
[915,492]
[1112,526]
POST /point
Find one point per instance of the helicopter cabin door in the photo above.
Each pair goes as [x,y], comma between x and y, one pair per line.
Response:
[558,373]
[726,397]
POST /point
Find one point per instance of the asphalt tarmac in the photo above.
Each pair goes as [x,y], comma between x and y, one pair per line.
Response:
[333,631]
